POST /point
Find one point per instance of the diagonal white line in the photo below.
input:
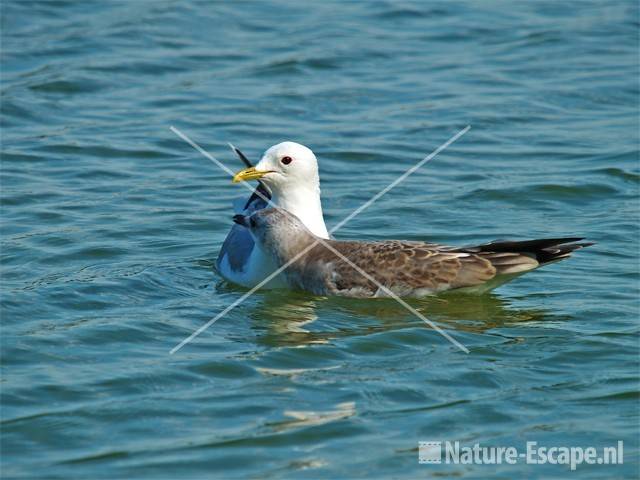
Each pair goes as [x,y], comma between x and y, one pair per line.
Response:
[402,177]
[244,297]
[218,163]
[397,298]
[201,150]
[319,240]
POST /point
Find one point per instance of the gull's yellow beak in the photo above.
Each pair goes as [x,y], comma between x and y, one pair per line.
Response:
[248,174]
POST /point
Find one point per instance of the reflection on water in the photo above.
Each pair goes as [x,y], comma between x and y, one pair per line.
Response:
[309,418]
[287,318]
[282,316]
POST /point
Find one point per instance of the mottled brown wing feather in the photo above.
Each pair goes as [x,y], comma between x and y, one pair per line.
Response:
[405,266]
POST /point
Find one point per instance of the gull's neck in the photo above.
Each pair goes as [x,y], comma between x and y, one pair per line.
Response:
[305,204]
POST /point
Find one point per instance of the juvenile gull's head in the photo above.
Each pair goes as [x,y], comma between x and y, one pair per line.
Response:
[277,232]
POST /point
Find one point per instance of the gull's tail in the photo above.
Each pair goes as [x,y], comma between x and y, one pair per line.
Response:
[513,258]
[509,257]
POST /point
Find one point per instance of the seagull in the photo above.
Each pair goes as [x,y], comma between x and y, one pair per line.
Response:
[404,268]
[288,178]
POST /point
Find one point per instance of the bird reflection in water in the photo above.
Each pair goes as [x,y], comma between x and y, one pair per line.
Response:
[289,318]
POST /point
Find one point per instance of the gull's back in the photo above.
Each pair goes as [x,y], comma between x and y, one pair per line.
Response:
[413,269]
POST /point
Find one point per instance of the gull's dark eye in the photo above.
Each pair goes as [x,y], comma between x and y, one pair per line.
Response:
[286,160]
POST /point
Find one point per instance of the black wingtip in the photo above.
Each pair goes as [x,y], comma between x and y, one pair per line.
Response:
[526,245]
[243,157]
[544,250]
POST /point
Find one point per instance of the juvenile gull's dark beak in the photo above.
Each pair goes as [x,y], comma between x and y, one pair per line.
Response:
[240,220]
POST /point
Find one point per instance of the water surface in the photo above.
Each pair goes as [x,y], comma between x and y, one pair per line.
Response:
[111,225]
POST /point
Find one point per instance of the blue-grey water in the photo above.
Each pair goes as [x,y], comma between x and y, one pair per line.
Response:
[111,225]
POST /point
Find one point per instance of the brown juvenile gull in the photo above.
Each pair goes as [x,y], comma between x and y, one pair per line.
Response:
[408,269]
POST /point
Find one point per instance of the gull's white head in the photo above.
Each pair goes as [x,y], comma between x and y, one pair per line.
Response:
[285,166]
[290,172]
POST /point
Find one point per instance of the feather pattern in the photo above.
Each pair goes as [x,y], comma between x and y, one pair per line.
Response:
[406,268]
